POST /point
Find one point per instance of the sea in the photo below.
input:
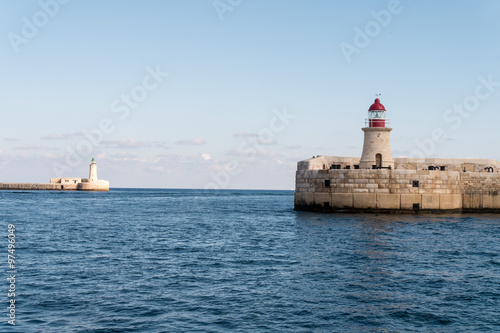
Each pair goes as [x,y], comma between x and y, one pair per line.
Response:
[175,260]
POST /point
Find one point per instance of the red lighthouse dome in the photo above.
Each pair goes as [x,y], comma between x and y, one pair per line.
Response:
[376,114]
[377,106]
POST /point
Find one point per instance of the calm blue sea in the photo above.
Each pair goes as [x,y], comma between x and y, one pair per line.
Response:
[153,260]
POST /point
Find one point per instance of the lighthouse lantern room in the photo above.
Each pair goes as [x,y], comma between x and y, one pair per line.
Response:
[376,114]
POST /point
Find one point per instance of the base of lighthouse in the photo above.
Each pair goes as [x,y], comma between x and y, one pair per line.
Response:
[376,149]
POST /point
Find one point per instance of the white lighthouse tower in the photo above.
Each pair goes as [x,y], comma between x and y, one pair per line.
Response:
[377,146]
[93,171]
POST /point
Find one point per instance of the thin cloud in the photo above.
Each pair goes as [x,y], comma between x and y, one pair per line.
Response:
[10,139]
[177,163]
[192,142]
[161,144]
[255,138]
[60,136]
[123,155]
[254,152]
[28,147]
[266,141]
[294,147]
[155,168]
[245,134]
[127,143]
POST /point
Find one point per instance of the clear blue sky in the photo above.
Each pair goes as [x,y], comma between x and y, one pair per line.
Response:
[231,66]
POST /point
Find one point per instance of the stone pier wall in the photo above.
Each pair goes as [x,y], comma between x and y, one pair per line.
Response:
[338,184]
[94,186]
[31,186]
[378,190]
[481,191]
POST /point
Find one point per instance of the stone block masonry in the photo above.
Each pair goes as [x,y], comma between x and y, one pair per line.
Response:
[443,186]
[29,186]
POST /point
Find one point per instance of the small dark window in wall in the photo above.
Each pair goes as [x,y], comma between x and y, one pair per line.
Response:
[416,206]
[415,183]
[356,166]
[431,167]
[327,183]
[347,166]
[443,168]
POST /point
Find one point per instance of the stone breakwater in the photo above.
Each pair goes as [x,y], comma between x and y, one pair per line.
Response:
[335,184]
[29,186]
[53,187]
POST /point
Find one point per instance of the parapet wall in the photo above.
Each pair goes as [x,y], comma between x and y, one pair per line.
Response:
[467,164]
[403,189]
[322,162]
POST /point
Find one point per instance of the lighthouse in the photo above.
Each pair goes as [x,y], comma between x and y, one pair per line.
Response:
[377,183]
[93,171]
[377,146]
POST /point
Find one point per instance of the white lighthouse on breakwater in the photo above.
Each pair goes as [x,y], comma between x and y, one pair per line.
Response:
[64,184]
[82,184]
